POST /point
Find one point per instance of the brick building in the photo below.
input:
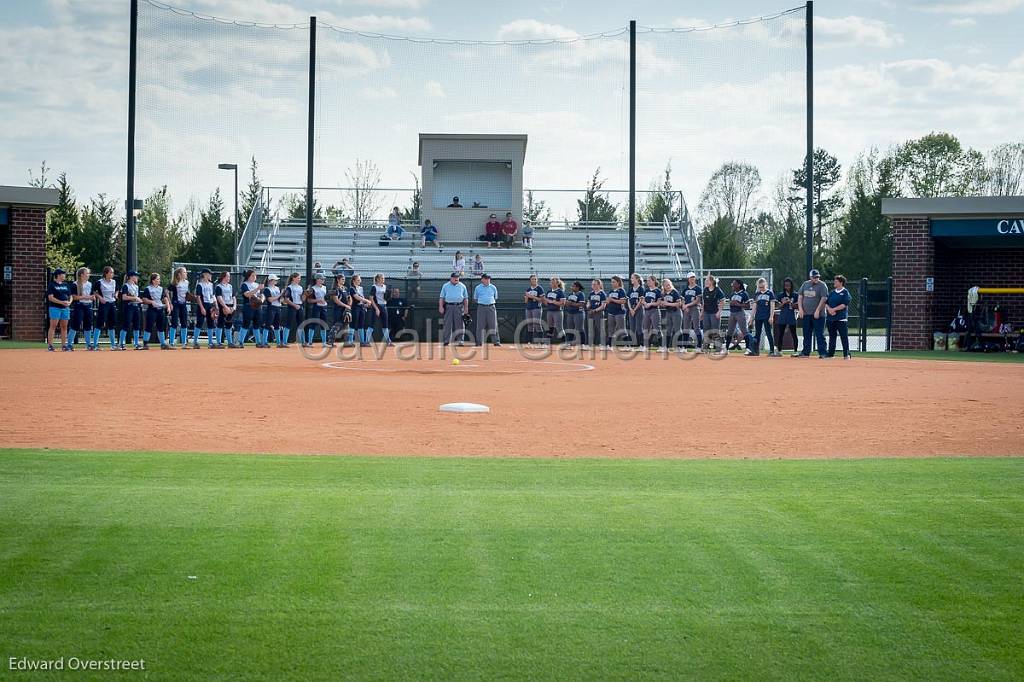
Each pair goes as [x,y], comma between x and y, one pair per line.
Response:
[23,259]
[941,248]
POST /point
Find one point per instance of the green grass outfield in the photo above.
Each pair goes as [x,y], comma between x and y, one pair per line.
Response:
[356,568]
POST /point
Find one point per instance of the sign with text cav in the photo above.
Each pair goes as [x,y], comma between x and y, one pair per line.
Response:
[1009,229]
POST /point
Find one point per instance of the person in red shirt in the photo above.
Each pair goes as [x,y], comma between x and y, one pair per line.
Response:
[492,231]
[509,229]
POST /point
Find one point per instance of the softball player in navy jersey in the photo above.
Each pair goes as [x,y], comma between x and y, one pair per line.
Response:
[575,302]
[252,309]
[671,313]
[207,313]
[362,308]
[131,312]
[597,301]
[739,302]
[156,299]
[553,301]
[712,298]
[316,297]
[272,312]
[178,292]
[341,310]
[636,309]
[532,298]
[787,314]
[106,312]
[652,314]
[379,294]
[81,309]
[615,310]
[837,309]
[225,294]
[691,309]
[293,299]
[764,317]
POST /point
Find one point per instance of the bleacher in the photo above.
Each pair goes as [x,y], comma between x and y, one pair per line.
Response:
[580,253]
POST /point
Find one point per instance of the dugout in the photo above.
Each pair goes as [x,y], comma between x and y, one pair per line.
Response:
[484,171]
[23,260]
[944,246]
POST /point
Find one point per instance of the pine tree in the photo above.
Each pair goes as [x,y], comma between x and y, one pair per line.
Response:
[251,196]
[828,204]
[662,202]
[536,210]
[160,239]
[722,245]
[864,247]
[100,234]
[595,207]
[212,241]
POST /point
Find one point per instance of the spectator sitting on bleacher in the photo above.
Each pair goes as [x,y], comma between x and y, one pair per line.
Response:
[459,263]
[492,231]
[478,265]
[455,203]
[428,235]
[343,267]
[394,231]
[415,272]
[508,230]
[527,234]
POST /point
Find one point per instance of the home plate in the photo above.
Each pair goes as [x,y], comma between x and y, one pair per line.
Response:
[463,408]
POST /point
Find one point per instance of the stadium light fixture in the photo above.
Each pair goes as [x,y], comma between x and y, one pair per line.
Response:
[136,207]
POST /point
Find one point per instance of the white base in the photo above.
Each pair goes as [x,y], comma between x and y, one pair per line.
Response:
[463,408]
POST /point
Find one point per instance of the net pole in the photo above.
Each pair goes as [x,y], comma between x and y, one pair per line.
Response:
[310,133]
[632,146]
[129,203]
[810,135]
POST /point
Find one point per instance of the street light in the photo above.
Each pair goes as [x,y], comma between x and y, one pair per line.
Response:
[234,221]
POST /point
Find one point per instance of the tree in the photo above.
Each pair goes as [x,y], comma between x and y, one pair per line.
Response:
[100,238]
[536,210]
[1006,170]
[722,245]
[362,202]
[212,241]
[828,205]
[730,193]
[663,201]
[595,206]
[864,246]
[63,222]
[160,239]
[251,196]
[295,206]
[937,165]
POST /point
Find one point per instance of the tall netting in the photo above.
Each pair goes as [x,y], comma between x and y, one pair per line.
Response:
[376,94]
[711,95]
[211,91]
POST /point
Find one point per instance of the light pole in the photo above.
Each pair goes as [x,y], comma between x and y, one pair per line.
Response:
[234,221]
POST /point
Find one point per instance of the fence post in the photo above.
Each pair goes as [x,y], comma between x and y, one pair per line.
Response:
[863,314]
[888,314]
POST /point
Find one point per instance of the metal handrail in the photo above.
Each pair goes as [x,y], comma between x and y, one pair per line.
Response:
[247,240]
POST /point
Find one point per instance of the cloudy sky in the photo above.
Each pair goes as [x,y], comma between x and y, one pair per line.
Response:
[886,71]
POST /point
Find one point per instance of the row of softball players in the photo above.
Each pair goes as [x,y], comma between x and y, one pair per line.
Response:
[656,308]
[344,307]
[82,307]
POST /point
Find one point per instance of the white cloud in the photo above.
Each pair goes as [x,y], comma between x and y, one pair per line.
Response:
[987,7]
[375,23]
[389,4]
[383,93]
[853,31]
[963,22]
[531,29]
[433,89]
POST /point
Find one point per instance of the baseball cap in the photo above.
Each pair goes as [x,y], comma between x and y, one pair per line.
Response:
[815,273]
[319,275]
[272,278]
[205,271]
[454,274]
[485,276]
[132,273]
[59,271]
[690,274]
[494,215]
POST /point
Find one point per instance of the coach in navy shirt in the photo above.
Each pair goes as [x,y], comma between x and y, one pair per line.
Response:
[837,309]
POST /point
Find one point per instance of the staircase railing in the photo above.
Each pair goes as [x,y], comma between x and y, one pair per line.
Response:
[268,251]
[247,240]
[670,242]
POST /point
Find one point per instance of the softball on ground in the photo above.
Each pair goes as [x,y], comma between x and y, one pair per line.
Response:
[455,361]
